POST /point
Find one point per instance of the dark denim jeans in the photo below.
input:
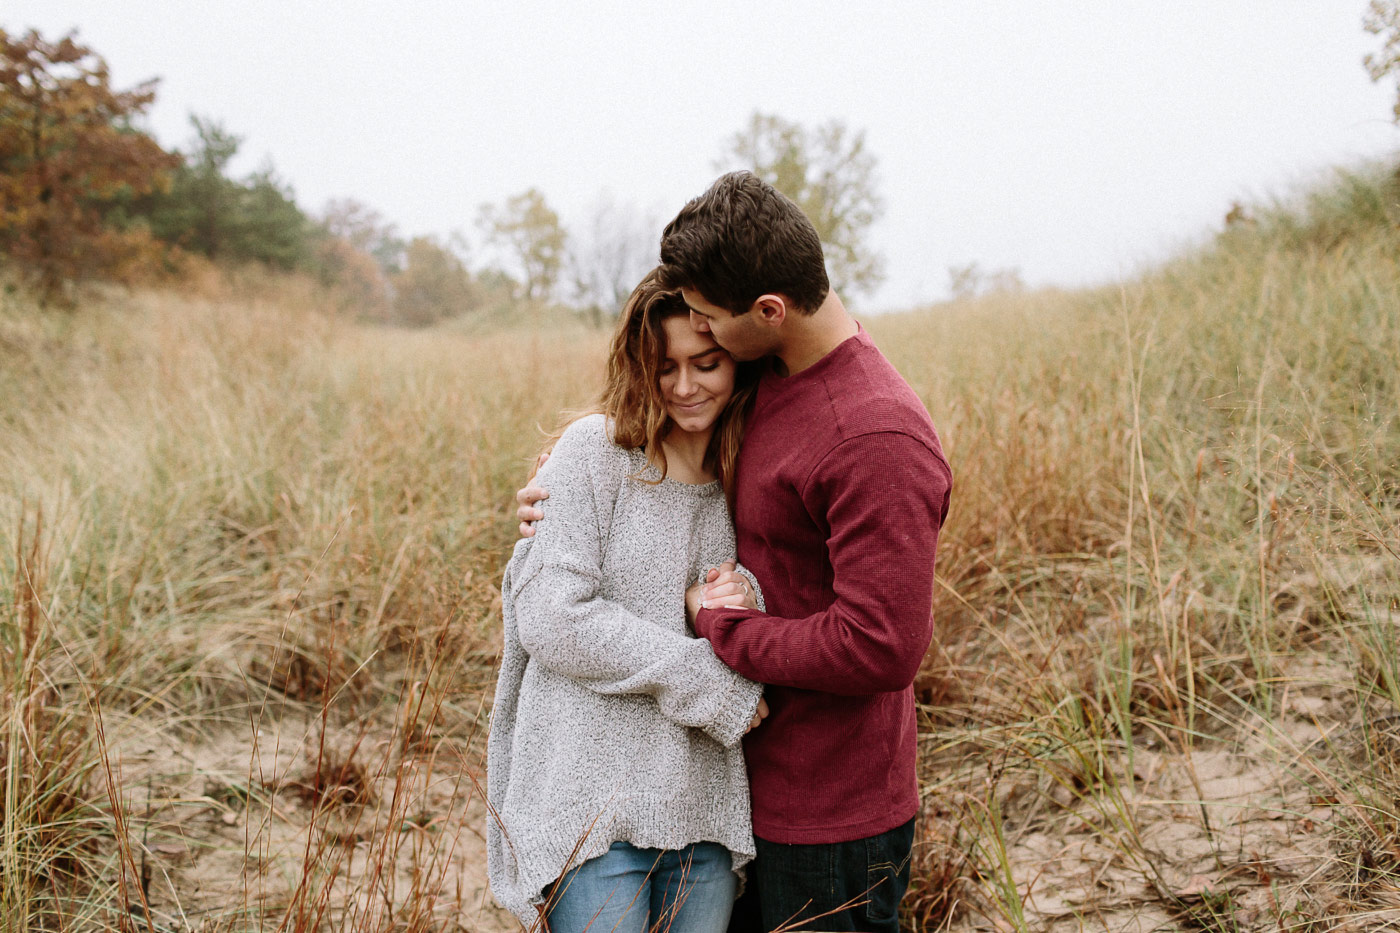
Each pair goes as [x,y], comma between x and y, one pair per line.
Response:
[789,885]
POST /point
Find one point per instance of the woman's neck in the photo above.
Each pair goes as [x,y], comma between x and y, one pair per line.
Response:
[685,455]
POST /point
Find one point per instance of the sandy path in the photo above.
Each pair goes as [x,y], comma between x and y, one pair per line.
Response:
[223,818]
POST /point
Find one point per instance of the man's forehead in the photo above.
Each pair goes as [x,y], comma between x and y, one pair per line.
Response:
[698,302]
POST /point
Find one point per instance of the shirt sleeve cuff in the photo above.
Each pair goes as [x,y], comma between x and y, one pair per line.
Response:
[705,620]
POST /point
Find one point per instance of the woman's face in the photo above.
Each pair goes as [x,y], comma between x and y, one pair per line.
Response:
[697,376]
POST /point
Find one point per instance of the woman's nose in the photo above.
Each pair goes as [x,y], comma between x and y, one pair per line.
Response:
[685,385]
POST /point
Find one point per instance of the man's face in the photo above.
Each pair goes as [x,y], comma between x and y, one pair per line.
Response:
[743,335]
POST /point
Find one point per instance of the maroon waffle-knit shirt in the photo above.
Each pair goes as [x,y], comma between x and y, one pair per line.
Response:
[841,489]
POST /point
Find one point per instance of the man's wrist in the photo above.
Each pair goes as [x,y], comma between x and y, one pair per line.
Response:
[702,623]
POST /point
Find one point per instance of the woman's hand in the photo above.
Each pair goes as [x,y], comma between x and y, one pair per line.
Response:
[758,716]
[726,588]
[719,590]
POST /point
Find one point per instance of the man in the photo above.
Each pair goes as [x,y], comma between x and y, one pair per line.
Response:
[842,488]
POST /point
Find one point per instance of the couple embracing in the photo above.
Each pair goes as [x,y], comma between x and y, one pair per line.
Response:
[713,625]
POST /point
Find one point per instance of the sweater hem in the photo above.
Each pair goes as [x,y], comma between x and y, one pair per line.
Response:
[826,833]
[566,843]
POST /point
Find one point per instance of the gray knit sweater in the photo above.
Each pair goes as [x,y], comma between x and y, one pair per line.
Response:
[611,722]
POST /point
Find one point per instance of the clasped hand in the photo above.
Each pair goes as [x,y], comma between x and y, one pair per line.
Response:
[722,588]
[725,588]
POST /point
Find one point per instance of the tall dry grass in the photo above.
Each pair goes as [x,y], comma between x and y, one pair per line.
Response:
[224,512]
[1175,542]
[250,554]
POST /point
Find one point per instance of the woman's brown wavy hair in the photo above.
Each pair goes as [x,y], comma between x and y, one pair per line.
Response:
[631,396]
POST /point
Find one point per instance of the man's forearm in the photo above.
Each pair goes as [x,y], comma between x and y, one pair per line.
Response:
[839,651]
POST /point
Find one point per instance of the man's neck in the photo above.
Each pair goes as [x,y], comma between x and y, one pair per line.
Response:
[809,337]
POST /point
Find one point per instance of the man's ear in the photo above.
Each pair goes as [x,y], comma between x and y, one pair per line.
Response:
[771,309]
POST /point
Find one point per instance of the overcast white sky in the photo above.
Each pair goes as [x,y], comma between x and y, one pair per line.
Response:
[1074,140]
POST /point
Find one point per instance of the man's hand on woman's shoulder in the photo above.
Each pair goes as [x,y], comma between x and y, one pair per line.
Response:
[527,497]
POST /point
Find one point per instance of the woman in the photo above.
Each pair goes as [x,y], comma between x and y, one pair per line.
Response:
[614,769]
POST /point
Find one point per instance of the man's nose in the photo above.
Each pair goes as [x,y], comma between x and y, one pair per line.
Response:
[699,322]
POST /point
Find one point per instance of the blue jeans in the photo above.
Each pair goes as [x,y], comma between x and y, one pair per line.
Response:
[632,890]
[801,887]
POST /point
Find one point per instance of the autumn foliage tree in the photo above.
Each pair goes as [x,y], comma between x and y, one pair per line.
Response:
[68,153]
[365,228]
[529,232]
[355,255]
[830,174]
[434,284]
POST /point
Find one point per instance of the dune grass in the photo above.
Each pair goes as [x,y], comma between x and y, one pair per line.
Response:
[248,607]
[1176,536]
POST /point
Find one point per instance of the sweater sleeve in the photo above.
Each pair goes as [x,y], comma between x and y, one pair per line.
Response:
[883,497]
[753,582]
[565,624]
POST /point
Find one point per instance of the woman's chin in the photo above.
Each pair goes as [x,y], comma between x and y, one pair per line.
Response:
[696,428]
[694,424]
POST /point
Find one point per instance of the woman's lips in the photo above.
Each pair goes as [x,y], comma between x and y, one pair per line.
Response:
[693,406]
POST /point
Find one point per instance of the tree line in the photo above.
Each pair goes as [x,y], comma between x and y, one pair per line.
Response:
[86,194]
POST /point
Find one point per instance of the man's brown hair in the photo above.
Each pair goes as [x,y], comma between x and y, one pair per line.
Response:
[741,239]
